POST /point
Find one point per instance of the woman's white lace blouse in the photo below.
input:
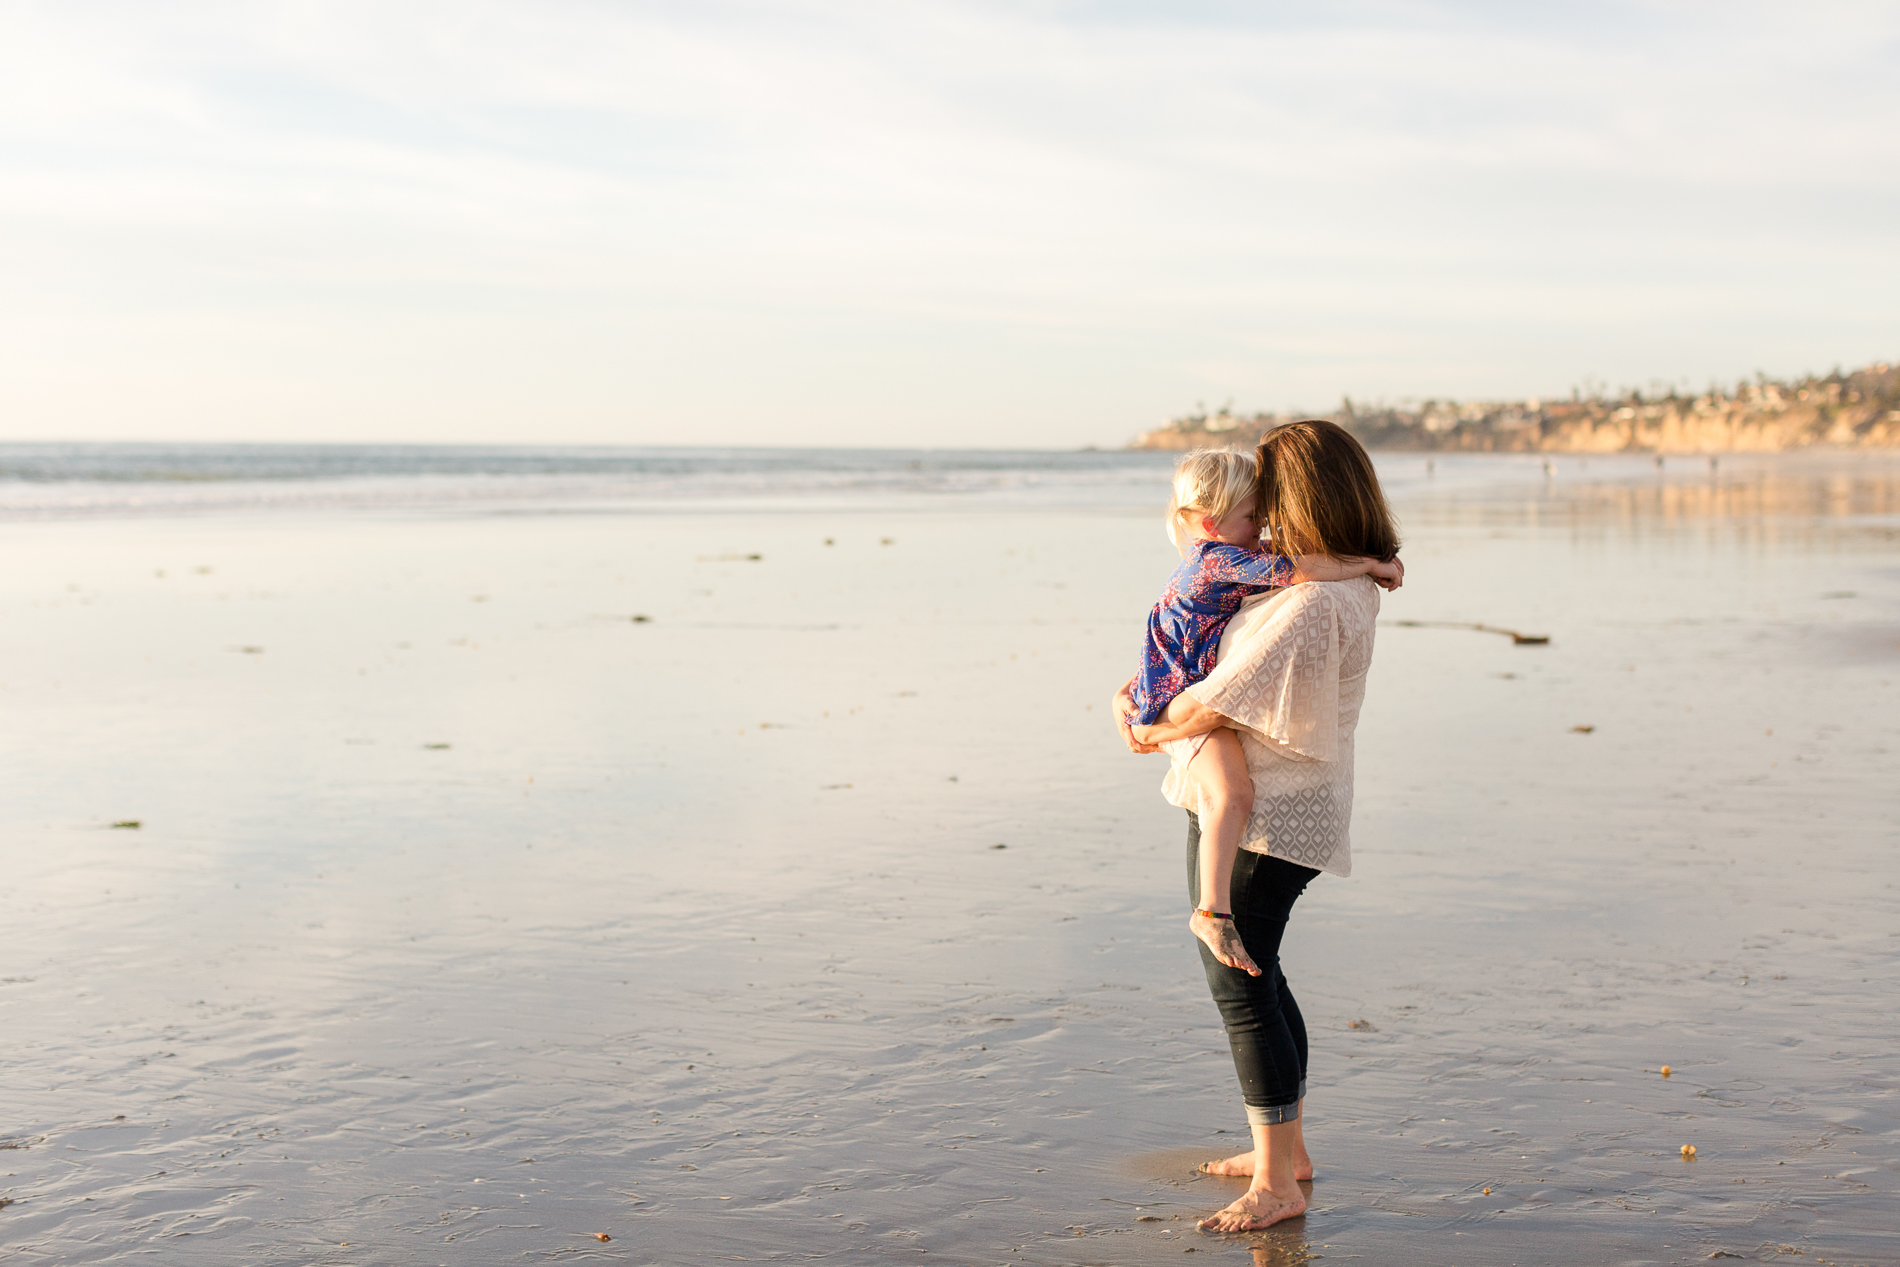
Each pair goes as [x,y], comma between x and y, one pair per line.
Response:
[1291,677]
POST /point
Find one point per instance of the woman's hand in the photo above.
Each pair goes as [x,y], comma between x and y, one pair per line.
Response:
[1186,717]
[1123,705]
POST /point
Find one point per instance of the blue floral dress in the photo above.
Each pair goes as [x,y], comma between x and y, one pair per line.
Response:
[1184,628]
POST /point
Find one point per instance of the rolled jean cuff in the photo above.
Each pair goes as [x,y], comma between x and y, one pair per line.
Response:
[1273,1114]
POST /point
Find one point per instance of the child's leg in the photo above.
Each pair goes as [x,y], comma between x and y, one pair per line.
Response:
[1219,771]
[1226,788]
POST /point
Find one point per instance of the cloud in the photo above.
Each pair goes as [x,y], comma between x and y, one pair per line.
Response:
[931,222]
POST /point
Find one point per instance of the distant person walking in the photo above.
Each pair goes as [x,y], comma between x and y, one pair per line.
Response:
[1288,684]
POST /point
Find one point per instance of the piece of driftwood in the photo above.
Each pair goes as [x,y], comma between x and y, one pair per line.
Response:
[1521,639]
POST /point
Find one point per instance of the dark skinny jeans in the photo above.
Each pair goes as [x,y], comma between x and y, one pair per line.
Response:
[1264,1026]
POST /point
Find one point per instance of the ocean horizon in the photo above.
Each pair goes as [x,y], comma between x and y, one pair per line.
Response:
[112,479]
[131,478]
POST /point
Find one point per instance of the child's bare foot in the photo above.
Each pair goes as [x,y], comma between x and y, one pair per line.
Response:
[1240,1166]
[1219,936]
[1260,1207]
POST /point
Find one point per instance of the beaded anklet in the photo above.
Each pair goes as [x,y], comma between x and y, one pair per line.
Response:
[1212,914]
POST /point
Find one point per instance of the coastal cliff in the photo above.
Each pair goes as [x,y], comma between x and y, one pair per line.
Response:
[1860,409]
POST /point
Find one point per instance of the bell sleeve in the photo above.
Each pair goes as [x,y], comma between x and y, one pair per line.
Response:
[1278,674]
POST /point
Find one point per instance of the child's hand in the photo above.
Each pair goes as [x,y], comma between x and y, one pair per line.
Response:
[1388,576]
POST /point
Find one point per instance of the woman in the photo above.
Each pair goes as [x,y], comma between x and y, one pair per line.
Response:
[1291,678]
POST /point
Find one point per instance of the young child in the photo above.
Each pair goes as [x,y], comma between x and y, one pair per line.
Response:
[1214,521]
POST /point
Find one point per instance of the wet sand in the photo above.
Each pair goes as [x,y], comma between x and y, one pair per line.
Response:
[469,917]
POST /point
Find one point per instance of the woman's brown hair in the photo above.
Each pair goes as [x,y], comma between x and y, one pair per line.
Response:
[1320,495]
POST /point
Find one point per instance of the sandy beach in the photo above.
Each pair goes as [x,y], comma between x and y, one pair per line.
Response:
[758,878]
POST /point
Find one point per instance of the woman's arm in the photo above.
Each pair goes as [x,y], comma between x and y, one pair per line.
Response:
[1278,674]
[1186,718]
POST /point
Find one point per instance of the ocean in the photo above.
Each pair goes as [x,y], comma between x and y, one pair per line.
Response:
[123,479]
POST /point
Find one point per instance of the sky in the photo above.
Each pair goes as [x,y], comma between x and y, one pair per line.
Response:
[923,222]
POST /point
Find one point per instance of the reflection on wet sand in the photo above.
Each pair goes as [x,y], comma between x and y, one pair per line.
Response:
[1785,498]
[616,959]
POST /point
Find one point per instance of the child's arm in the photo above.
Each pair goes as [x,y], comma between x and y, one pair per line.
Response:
[1239,566]
[1230,564]
[1324,567]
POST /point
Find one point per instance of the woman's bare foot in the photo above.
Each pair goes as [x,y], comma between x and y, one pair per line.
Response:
[1240,1165]
[1219,936]
[1260,1207]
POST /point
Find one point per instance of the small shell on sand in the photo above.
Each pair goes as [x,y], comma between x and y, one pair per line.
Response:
[1665,1071]
[602,1236]
[1688,1152]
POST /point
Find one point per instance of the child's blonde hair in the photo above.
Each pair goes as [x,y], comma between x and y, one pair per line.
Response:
[1210,482]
